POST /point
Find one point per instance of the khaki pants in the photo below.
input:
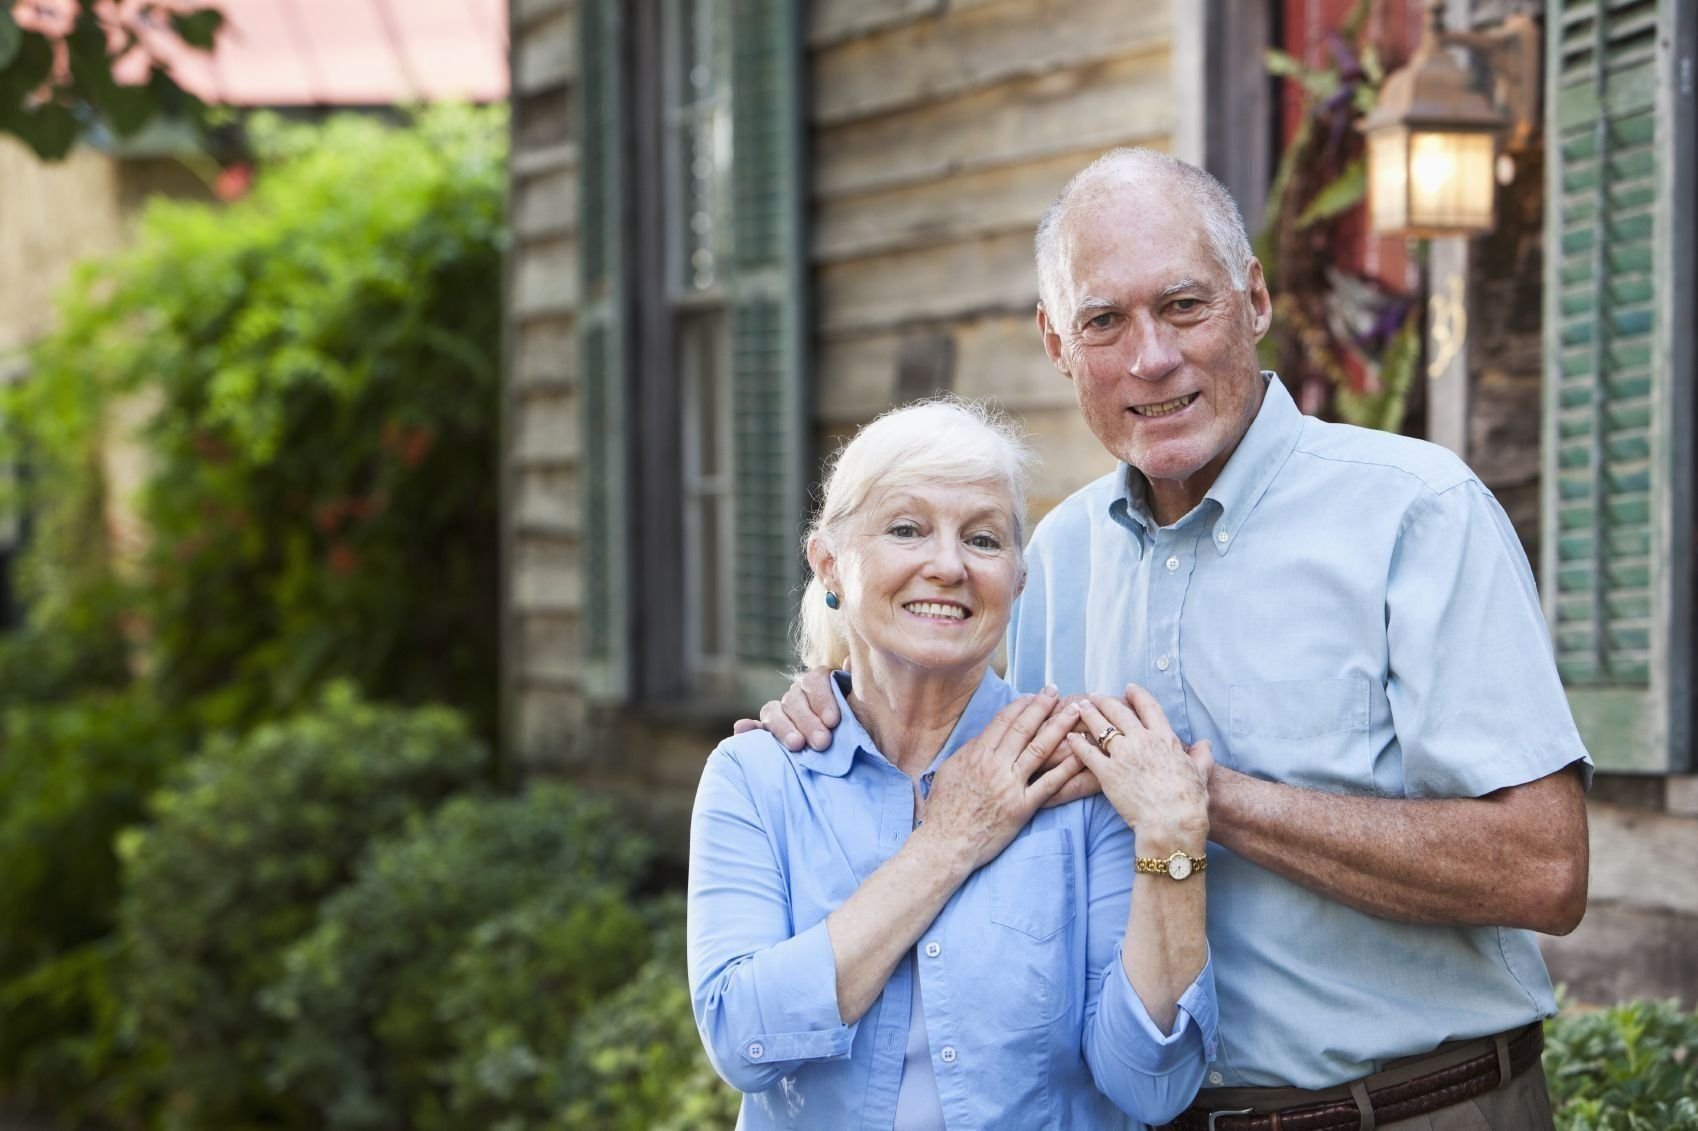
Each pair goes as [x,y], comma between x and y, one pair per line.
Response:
[1523,1104]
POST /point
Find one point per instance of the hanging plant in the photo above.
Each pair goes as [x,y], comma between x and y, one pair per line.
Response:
[1345,343]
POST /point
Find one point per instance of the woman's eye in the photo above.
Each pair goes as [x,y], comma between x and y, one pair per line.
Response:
[985,542]
[905,530]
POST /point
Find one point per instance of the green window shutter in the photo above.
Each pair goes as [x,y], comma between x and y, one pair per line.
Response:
[601,344]
[1617,537]
[766,289]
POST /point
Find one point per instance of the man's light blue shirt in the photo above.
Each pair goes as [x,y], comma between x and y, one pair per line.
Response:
[1029,1016]
[1346,610]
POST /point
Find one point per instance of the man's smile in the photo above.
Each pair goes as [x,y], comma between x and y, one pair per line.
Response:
[1166,408]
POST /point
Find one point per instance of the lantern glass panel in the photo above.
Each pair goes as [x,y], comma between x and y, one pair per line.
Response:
[1388,184]
[1451,181]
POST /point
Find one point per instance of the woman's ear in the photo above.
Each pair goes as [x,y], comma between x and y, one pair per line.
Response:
[823,562]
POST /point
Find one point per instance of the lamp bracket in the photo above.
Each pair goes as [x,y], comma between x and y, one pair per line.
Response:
[1511,51]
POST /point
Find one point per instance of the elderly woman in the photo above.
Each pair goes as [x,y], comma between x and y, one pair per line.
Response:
[895,933]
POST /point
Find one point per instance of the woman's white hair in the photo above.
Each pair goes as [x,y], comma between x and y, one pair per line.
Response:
[1217,212]
[944,440]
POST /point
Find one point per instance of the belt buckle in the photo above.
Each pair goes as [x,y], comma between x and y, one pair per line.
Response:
[1214,1115]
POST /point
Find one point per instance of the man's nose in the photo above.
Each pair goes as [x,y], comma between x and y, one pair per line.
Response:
[1154,351]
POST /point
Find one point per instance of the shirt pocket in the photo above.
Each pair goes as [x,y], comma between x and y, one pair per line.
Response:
[1306,732]
[1030,889]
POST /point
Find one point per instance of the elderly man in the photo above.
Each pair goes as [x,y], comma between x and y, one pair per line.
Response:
[1348,618]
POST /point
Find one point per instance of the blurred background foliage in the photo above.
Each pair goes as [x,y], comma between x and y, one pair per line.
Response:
[263,866]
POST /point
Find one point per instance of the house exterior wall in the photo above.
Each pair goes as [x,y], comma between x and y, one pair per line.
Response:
[937,134]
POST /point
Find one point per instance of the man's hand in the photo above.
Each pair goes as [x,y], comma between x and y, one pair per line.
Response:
[808,708]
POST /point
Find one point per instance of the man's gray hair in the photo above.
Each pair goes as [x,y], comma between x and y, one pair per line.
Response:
[944,440]
[1223,227]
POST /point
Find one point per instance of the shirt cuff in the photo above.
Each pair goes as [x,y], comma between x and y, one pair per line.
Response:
[798,988]
[1127,1027]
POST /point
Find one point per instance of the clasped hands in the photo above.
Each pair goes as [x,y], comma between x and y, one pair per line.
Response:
[1041,750]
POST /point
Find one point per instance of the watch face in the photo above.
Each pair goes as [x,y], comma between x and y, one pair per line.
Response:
[1179,865]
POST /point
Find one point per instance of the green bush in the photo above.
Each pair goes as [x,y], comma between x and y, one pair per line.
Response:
[317,369]
[446,927]
[637,1055]
[247,840]
[72,774]
[1631,1067]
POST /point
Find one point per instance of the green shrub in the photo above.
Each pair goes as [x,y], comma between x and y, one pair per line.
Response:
[247,840]
[72,775]
[484,889]
[317,369]
[637,1056]
[1631,1067]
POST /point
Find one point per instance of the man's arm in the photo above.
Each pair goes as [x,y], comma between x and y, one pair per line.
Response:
[1517,857]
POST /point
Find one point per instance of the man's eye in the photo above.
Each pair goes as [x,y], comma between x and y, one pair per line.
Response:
[1101,322]
[1186,305]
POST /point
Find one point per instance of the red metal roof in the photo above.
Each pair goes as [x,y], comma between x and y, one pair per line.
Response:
[350,53]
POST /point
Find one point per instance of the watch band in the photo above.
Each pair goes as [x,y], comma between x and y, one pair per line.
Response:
[1175,867]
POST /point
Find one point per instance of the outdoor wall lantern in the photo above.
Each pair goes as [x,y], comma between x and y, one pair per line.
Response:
[1432,138]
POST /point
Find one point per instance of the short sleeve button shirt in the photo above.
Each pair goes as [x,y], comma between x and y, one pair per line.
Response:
[1346,610]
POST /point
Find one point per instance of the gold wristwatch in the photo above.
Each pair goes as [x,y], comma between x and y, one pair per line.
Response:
[1175,867]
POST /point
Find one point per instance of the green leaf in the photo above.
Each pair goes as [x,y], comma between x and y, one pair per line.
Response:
[10,37]
[199,27]
[1340,195]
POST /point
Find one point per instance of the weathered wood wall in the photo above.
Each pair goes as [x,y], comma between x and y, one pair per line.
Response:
[940,131]
[542,512]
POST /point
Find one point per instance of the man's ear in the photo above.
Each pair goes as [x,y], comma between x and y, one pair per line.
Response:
[1261,303]
[1052,341]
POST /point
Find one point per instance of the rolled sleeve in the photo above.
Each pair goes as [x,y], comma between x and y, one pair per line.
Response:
[764,998]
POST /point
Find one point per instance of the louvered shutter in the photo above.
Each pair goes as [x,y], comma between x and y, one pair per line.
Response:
[601,327]
[1617,539]
[766,292]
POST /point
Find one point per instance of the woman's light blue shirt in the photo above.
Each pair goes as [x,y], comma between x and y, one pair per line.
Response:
[1029,1015]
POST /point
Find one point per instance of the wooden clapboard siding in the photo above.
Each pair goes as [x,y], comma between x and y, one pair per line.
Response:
[542,511]
[939,133]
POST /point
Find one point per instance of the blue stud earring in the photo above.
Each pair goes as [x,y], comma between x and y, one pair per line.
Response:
[831,601]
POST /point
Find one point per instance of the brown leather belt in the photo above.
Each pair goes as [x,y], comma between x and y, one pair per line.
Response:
[1405,1099]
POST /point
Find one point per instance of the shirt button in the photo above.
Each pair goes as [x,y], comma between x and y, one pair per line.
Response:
[933,950]
[947,1053]
[1172,564]
[1216,1078]
[756,1050]
[1223,536]
[1161,663]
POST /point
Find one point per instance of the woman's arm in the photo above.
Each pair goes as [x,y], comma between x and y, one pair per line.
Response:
[1150,1005]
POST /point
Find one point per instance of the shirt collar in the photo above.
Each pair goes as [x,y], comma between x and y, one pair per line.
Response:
[851,737]
[1241,483]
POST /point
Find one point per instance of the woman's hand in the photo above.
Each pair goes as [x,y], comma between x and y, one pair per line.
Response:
[1158,786]
[987,790]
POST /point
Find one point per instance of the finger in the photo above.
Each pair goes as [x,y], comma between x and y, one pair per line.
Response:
[1091,714]
[816,685]
[1116,711]
[742,726]
[1086,751]
[1024,727]
[1202,756]
[1082,784]
[1050,782]
[1148,708]
[775,720]
[1037,754]
[801,715]
[997,728]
